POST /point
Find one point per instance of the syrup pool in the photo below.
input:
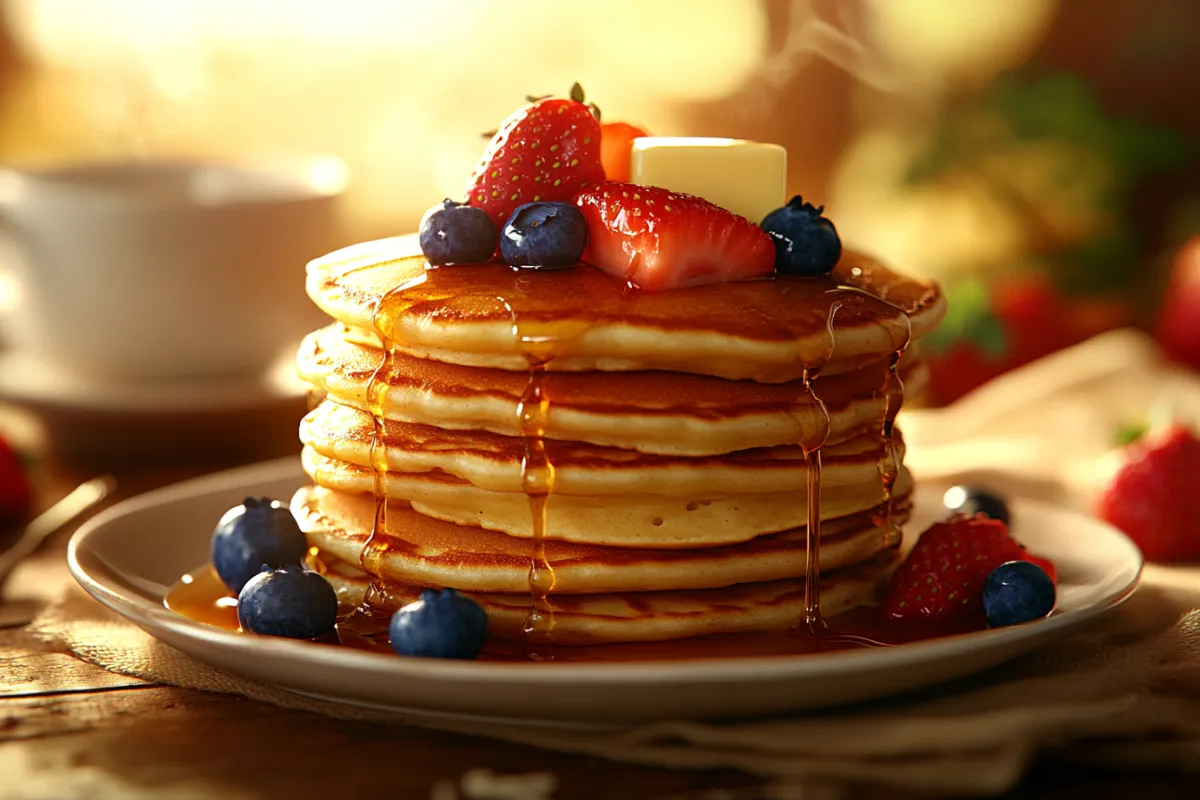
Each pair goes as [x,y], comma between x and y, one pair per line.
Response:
[202,597]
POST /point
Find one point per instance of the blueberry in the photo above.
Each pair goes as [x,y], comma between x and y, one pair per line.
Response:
[441,624]
[1017,592]
[456,233]
[972,500]
[544,235]
[260,531]
[290,601]
[805,242]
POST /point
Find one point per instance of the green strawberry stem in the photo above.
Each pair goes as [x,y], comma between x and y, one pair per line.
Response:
[1129,433]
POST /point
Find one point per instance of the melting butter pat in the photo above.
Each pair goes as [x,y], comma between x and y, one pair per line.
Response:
[748,178]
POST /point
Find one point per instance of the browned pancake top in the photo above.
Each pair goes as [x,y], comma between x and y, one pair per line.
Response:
[782,308]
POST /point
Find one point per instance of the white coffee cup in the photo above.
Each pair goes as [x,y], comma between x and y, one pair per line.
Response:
[146,270]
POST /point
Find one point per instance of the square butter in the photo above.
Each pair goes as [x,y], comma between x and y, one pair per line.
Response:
[748,178]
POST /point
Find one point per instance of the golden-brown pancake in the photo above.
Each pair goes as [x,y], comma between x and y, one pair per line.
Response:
[493,462]
[422,551]
[633,520]
[578,319]
[652,412]
[648,616]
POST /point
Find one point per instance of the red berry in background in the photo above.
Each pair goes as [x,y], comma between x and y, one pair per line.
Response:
[959,370]
[1033,313]
[1152,496]
[16,496]
[1178,328]
[943,576]
[546,151]
[656,239]
[993,328]
[616,149]
[1090,316]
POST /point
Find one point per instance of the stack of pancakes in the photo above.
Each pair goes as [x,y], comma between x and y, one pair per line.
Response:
[679,428]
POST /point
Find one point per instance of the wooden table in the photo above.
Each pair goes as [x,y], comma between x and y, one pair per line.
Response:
[69,729]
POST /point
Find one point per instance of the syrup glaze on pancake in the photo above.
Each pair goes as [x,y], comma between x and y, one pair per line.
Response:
[429,552]
[493,462]
[766,330]
[653,412]
[771,331]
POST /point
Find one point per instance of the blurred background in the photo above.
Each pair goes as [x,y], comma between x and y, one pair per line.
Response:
[1039,157]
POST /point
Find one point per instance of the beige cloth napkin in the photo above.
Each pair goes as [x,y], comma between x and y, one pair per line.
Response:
[1125,691]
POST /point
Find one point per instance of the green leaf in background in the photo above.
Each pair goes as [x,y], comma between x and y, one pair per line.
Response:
[990,337]
[969,318]
[1100,264]
[1185,223]
[1061,106]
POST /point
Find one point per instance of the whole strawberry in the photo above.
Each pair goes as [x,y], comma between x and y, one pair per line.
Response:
[1178,326]
[943,576]
[548,150]
[1152,495]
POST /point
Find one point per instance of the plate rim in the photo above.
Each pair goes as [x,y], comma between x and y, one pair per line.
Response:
[137,608]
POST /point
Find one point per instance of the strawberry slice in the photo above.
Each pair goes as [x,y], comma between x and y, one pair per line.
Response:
[616,148]
[547,150]
[943,576]
[656,239]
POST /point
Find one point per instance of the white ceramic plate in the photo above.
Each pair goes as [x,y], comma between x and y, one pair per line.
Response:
[128,556]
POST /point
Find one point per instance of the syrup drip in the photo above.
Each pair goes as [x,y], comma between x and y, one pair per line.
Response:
[537,482]
[539,345]
[900,332]
[384,316]
[813,623]
[893,394]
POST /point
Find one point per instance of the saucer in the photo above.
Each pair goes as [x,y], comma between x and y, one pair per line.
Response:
[122,559]
[28,381]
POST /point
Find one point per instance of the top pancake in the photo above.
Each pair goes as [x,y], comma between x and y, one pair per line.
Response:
[578,319]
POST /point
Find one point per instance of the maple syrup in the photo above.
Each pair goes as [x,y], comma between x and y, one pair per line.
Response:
[796,309]
[537,482]
[539,344]
[893,399]
[523,299]
[387,312]
[202,597]
[898,327]
[812,622]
